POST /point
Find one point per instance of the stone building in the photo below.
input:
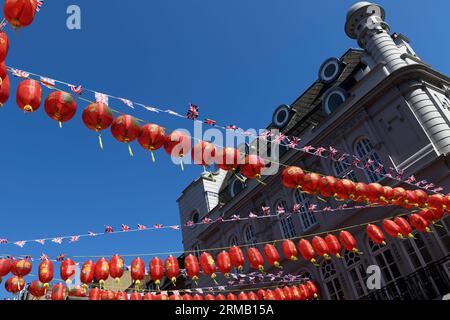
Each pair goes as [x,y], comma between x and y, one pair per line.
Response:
[380,102]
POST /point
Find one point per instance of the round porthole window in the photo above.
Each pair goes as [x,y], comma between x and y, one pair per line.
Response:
[330,70]
[333,99]
[281,116]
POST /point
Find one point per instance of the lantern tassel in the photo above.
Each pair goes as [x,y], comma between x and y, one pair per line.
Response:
[153,156]
[130,151]
[60,124]
[239,177]
[182,164]
[100,142]
[258,178]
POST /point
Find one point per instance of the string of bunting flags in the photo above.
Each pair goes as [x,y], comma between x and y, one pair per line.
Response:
[266,214]
[293,143]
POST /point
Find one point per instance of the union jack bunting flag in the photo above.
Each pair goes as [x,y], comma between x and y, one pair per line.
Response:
[210,122]
[190,223]
[109,229]
[252,215]
[20,243]
[411,179]
[61,257]
[308,148]
[176,228]
[19,73]
[266,134]
[3,24]
[141,227]
[152,109]
[206,220]
[158,226]
[39,5]
[293,142]
[312,207]
[176,114]
[231,127]
[128,103]
[297,207]
[279,138]
[57,240]
[355,161]
[101,98]
[91,234]
[235,217]
[266,210]
[332,152]
[41,241]
[319,151]
[369,164]
[43,257]
[3,241]
[124,228]
[47,82]
[380,168]
[74,239]
[76,89]
[281,210]
[192,113]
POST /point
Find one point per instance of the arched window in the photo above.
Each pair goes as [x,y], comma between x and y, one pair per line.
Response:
[417,251]
[287,225]
[249,235]
[306,216]
[195,217]
[366,152]
[444,233]
[344,170]
[331,280]
[357,273]
[233,241]
[390,271]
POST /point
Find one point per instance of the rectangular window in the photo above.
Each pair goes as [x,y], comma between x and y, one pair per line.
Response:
[288,227]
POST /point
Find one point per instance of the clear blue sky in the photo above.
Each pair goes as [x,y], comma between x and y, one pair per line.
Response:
[235,59]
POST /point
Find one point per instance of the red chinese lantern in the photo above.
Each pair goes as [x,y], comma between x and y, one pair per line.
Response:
[172,269]
[375,234]
[289,250]
[255,258]
[37,289]
[76,291]
[419,223]
[135,296]
[67,270]
[60,106]
[20,13]
[279,294]
[320,247]
[327,186]
[392,229]
[388,194]
[126,129]
[288,293]
[269,295]
[4,46]
[307,251]
[4,91]
[152,138]
[333,245]
[29,95]
[15,284]
[421,197]
[208,265]
[98,117]
[220,297]
[116,267]
[237,257]
[311,183]
[231,297]
[252,296]
[101,271]
[437,201]
[398,196]
[95,294]
[272,256]
[242,296]
[187,297]
[46,272]
[252,167]
[228,159]
[87,273]
[197,297]
[59,292]
[137,271]
[360,192]
[374,192]
[148,296]
[3,71]
[162,297]
[345,189]
[192,267]
[313,289]
[203,153]
[109,295]
[156,271]
[292,177]
[5,267]
[295,293]
[348,241]
[121,295]
[177,145]
[432,215]
[21,268]
[176,297]
[405,227]
[224,263]
[209,297]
